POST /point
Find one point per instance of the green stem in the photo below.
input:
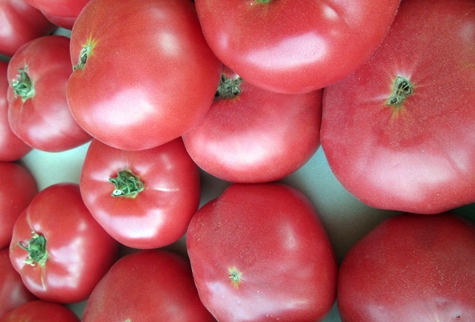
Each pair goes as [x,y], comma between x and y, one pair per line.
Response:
[23,86]
[83,56]
[402,89]
[36,249]
[127,184]
[228,88]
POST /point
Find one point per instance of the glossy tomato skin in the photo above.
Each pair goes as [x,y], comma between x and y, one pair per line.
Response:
[410,268]
[149,76]
[149,285]
[259,253]
[418,156]
[12,148]
[158,215]
[42,119]
[20,24]
[79,250]
[62,13]
[40,311]
[294,46]
[13,292]
[17,188]
[256,136]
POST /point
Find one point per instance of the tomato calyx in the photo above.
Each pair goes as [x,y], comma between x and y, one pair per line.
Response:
[84,55]
[36,249]
[22,85]
[234,276]
[127,184]
[402,89]
[228,88]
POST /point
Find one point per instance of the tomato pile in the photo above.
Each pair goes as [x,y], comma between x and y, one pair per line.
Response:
[220,160]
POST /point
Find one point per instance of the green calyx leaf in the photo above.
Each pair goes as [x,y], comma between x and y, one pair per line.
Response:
[127,184]
[22,85]
[36,249]
[402,89]
[228,88]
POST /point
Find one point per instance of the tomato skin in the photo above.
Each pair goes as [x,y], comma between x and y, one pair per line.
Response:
[79,250]
[241,136]
[410,268]
[416,157]
[291,46]
[13,292]
[158,215]
[12,148]
[44,120]
[40,311]
[138,92]
[62,13]
[149,285]
[259,252]
[17,188]
[20,24]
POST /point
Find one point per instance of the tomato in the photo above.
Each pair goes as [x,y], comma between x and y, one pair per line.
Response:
[20,24]
[144,199]
[13,292]
[58,248]
[38,109]
[246,131]
[144,74]
[398,133]
[62,13]
[149,285]
[40,311]
[12,148]
[259,252]
[17,188]
[293,46]
[411,268]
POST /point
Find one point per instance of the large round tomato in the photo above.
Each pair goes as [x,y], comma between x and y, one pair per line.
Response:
[17,189]
[40,311]
[144,199]
[294,46]
[13,292]
[61,12]
[150,285]
[12,148]
[20,23]
[410,268]
[38,109]
[259,253]
[399,132]
[58,248]
[254,135]
[144,74]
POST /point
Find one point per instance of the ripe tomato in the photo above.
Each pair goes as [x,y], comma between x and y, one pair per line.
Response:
[13,292]
[411,268]
[259,252]
[398,133]
[12,148]
[144,199]
[40,311]
[20,24]
[38,109]
[62,13]
[144,74]
[17,189]
[149,285]
[246,131]
[294,46]
[58,248]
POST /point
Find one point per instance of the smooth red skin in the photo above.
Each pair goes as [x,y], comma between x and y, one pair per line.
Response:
[291,46]
[149,285]
[13,292]
[410,268]
[12,148]
[157,216]
[80,251]
[258,136]
[40,311]
[61,12]
[20,24]
[137,93]
[17,188]
[418,159]
[44,121]
[273,236]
